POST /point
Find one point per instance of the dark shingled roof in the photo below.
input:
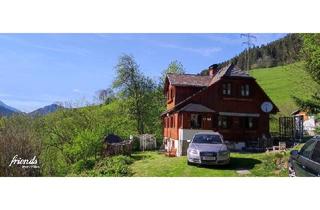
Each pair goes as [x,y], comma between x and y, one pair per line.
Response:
[229,71]
[189,80]
[235,71]
[196,108]
[205,81]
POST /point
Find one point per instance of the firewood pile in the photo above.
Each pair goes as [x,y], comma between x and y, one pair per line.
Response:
[114,145]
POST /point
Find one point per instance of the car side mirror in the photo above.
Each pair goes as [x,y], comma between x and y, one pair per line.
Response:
[294,152]
[188,140]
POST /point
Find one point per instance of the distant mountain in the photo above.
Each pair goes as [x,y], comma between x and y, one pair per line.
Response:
[45,110]
[6,110]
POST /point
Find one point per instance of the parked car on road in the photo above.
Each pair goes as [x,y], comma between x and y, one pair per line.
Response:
[306,162]
[208,148]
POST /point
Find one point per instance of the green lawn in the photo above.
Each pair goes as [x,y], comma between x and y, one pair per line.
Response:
[283,82]
[154,164]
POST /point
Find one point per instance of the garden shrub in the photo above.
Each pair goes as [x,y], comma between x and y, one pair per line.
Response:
[116,166]
[83,165]
[276,163]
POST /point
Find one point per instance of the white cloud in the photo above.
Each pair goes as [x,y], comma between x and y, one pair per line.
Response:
[202,51]
[224,39]
[78,91]
[236,39]
[208,51]
[57,48]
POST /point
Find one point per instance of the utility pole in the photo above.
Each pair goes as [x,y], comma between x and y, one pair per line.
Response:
[249,42]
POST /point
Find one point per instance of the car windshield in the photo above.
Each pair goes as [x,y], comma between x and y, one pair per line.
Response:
[207,139]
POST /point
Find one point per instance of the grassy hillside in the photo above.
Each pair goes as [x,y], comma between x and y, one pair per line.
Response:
[283,82]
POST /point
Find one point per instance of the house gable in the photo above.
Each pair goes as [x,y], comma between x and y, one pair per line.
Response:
[211,95]
[177,90]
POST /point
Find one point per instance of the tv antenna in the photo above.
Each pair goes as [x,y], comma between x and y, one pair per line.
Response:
[249,42]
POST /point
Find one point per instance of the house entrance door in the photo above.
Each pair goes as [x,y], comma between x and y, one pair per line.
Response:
[238,128]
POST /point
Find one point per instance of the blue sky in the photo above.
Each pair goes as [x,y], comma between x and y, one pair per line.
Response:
[40,69]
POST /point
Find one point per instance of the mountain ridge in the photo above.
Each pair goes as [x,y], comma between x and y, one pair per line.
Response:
[6,110]
[45,110]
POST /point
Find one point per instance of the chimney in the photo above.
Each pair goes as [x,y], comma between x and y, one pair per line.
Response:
[213,69]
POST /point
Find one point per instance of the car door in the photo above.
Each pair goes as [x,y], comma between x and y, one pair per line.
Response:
[313,165]
[301,162]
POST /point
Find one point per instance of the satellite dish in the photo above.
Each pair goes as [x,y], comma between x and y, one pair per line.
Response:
[266,106]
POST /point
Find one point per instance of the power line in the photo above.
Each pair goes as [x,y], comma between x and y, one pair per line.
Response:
[249,42]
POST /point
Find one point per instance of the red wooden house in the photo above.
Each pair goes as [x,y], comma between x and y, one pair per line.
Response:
[228,101]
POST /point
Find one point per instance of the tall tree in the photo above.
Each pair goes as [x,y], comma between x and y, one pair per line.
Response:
[174,67]
[105,96]
[311,55]
[135,88]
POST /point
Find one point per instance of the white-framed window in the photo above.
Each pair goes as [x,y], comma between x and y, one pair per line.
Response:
[226,89]
[245,90]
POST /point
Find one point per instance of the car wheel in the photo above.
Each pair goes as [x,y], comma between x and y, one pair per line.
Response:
[189,163]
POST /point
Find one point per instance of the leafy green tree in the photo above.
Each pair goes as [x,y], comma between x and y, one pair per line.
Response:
[105,96]
[311,55]
[154,123]
[135,88]
[174,67]
[156,107]
[311,51]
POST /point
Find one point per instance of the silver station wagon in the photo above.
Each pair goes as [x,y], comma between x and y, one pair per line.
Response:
[208,148]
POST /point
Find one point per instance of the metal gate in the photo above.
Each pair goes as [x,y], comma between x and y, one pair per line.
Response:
[298,127]
[291,128]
